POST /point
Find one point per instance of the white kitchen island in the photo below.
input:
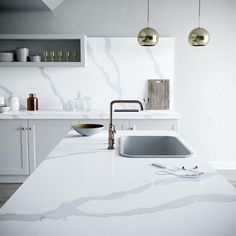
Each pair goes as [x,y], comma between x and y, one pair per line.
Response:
[84,189]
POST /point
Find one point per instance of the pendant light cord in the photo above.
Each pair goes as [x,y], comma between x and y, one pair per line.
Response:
[199,12]
[148,13]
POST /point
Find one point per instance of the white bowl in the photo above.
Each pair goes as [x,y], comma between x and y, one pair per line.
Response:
[4,109]
[88,129]
[35,58]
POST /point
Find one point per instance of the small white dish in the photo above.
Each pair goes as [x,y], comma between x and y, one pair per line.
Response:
[35,58]
[4,109]
[88,129]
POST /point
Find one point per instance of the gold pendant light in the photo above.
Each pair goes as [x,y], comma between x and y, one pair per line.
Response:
[148,36]
[199,36]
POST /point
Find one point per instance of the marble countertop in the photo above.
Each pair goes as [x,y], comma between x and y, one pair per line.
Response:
[94,114]
[84,189]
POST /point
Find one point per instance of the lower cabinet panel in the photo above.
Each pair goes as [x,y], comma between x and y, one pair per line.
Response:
[24,144]
[13,147]
[44,136]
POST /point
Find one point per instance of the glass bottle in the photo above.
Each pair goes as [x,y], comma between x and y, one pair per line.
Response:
[32,102]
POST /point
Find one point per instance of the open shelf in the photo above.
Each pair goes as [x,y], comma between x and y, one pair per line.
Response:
[37,44]
[41,64]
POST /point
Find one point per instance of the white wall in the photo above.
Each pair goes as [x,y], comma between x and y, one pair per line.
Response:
[205,77]
[117,68]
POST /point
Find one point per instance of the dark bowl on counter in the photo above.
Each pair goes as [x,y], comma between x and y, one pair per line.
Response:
[88,129]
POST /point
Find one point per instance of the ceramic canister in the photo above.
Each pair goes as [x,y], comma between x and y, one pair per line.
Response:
[14,103]
[22,54]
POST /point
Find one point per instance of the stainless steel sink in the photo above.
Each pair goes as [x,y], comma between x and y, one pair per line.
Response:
[152,147]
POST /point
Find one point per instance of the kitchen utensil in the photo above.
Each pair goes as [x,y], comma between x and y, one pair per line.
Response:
[6,56]
[158,92]
[22,54]
[88,129]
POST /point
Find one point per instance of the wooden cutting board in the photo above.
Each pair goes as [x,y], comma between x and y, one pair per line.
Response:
[158,94]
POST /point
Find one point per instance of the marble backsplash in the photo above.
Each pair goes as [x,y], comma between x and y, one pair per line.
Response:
[117,68]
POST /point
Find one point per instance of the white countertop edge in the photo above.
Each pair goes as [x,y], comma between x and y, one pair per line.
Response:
[111,190]
[98,114]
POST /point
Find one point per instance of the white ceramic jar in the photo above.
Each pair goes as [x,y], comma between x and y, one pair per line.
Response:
[22,54]
[14,103]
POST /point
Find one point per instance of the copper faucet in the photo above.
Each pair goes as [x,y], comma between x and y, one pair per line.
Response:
[112,130]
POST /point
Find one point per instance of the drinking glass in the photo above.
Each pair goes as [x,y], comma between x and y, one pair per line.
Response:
[52,55]
[79,104]
[67,55]
[45,55]
[74,56]
[87,103]
[59,55]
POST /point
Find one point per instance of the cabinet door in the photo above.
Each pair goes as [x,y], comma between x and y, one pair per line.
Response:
[13,147]
[44,135]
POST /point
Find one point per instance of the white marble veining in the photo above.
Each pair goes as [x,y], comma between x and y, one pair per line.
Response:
[84,189]
[94,114]
[117,68]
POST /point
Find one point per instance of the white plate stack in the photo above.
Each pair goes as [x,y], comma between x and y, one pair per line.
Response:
[6,56]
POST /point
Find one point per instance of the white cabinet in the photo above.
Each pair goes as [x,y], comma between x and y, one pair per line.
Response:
[139,124]
[44,135]
[24,144]
[14,147]
[161,124]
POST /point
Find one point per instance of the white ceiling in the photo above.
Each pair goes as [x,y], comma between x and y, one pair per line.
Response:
[29,5]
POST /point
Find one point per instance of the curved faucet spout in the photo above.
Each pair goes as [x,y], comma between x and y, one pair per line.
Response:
[112,131]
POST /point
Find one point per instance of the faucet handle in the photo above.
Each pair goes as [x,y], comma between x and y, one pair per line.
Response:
[114,129]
